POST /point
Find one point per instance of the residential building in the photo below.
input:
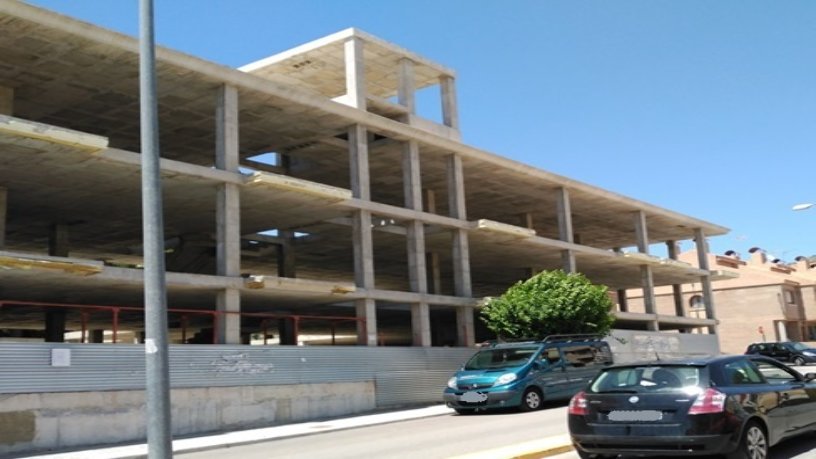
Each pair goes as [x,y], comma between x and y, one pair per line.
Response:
[759,298]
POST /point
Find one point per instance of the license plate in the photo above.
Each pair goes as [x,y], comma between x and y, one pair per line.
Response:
[473,397]
[635,415]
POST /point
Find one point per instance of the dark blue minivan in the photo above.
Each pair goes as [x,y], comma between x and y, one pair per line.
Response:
[524,374]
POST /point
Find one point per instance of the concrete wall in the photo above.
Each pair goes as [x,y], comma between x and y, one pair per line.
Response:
[49,421]
[635,345]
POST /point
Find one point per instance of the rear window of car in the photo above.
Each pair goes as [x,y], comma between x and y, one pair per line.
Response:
[651,378]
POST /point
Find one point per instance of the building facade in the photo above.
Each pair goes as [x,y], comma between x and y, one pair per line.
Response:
[759,299]
[305,200]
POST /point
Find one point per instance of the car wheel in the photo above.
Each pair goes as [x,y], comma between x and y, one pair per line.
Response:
[753,444]
[531,400]
[464,411]
[798,361]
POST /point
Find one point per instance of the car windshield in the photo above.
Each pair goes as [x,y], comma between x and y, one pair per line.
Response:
[647,378]
[491,359]
[798,346]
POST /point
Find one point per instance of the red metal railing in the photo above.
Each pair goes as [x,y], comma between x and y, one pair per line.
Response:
[216,316]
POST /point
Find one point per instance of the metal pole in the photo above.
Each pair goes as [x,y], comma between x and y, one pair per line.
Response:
[157,371]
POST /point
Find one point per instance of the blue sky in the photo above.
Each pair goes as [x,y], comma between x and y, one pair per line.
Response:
[705,108]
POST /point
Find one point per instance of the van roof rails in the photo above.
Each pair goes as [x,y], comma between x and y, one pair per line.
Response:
[572,338]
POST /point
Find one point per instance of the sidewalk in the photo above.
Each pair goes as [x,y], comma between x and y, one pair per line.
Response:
[528,450]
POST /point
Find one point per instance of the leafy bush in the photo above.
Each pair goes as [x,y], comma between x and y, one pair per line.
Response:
[549,303]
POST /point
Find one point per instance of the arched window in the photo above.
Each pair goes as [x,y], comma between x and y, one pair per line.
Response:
[696,302]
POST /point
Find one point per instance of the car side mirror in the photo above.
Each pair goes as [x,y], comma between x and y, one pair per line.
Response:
[810,376]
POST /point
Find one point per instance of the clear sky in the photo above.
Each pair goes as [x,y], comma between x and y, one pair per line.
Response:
[703,107]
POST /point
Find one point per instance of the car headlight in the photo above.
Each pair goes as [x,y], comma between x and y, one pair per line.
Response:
[452,382]
[809,353]
[505,379]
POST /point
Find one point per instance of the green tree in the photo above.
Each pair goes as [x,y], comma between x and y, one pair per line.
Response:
[549,303]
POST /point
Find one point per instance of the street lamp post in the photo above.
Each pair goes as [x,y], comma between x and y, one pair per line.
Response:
[157,371]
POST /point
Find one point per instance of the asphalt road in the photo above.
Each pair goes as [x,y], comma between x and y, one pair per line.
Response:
[428,438]
[803,447]
[443,437]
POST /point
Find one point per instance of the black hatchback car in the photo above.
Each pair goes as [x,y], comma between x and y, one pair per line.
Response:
[787,351]
[737,405]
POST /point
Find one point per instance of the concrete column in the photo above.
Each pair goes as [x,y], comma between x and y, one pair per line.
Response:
[228,214]
[287,332]
[358,162]
[456,188]
[355,73]
[461,251]
[434,273]
[526,220]
[431,258]
[677,289]
[417,272]
[421,324]
[647,281]
[415,229]
[564,209]
[406,92]
[366,330]
[228,301]
[361,235]
[450,109]
[363,249]
[55,326]
[641,232]
[3,216]
[286,254]
[702,261]
[6,101]
[429,200]
[96,336]
[623,301]
[58,240]
[646,278]
[228,217]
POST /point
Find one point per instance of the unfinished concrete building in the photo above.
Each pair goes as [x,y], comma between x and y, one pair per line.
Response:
[305,200]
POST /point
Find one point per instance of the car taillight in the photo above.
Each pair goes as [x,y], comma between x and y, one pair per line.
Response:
[578,404]
[710,401]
